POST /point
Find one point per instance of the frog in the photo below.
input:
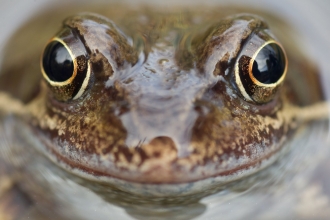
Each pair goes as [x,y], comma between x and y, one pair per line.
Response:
[156,105]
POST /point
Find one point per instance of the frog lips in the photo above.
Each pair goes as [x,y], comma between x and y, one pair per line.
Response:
[155,163]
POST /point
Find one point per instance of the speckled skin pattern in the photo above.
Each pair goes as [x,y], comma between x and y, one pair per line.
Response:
[161,105]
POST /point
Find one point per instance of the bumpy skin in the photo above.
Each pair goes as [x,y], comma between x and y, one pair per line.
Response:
[161,105]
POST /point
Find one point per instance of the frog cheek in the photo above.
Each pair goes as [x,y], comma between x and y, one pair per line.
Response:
[65,66]
[260,70]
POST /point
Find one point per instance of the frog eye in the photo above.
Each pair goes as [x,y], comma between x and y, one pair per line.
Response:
[260,69]
[65,66]
[57,63]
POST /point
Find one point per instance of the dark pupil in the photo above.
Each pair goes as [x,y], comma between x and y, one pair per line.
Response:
[268,66]
[57,62]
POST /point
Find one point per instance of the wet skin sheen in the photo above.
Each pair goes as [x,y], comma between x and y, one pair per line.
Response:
[163,99]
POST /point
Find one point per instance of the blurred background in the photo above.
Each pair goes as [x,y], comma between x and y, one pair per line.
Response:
[305,195]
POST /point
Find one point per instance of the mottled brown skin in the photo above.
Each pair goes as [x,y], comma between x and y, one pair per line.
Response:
[163,108]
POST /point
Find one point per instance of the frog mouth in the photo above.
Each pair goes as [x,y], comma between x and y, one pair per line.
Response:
[155,183]
[160,165]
